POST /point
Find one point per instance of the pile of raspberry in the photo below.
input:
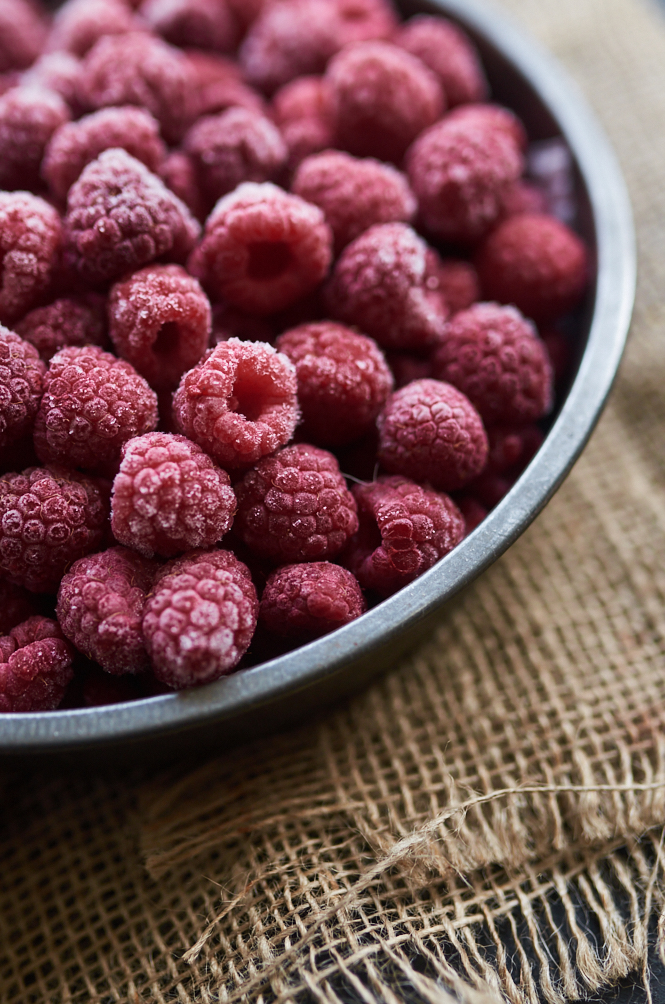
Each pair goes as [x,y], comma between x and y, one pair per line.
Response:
[282,317]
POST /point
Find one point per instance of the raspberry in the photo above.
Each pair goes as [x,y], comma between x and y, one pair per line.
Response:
[308,600]
[472,510]
[262,249]
[295,506]
[385,282]
[74,321]
[36,667]
[120,216]
[204,24]
[92,404]
[353,194]
[200,618]
[239,403]
[511,448]
[364,20]
[381,99]
[28,118]
[535,262]
[78,24]
[16,605]
[217,85]
[58,72]
[343,381]
[404,530]
[49,517]
[78,143]
[29,241]
[21,386]
[179,174]
[491,118]
[458,282]
[430,431]
[169,497]
[523,197]
[301,110]
[159,320]
[449,53]
[22,33]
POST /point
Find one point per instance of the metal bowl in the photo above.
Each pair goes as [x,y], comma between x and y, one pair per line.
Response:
[257,701]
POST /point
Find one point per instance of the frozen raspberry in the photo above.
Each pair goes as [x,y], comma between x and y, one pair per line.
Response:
[385,282]
[301,109]
[78,143]
[472,510]
[75,321]
[169,497]
[29,242]
[262,249]
[22,34]
[511,448]
[16,605]
[203,24]
[404,530]
[449,53]
[535,262]
[21,386]
[49,517]
[178,173]
[28,118]
[308,600]
[217,85]
[199,618]
[92,404]
[407,367]
[491,118]
[159,320]
[343,381]
[120,217]
[239,403]
[35,667]
[78,24]
[58,72]
[459,284]
[523,197]
[295,506]
[430,431]
[353,194]
[364,20]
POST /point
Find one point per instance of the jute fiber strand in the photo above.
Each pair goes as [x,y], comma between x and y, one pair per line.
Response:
[484,823]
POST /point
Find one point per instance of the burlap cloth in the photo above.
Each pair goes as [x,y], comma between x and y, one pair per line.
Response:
[488,818]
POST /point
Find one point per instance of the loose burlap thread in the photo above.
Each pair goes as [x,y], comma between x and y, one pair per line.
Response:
[485,822]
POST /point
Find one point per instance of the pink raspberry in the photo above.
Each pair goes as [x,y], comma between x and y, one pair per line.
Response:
[343,380]
[301,109]
[74,321]
[159,321]
[199,618]
[386,283]
[30,236]
[120,217]
[49,517]
[491,118]
[22,34]
[178,173]
[381,99]
[353,194]
[203,24]
[458,282]
[262,249]
[100,605]
[78,24]
[92,404]
[35,667]
[217,85]
[239,403]
[430,431]
[523,197]
[21,386]
[494,356]
[449,53]
[295,506]
[16,605]
[28,118]
[308,600]
[169,497]
[404,530]
[58,72]
[364,20]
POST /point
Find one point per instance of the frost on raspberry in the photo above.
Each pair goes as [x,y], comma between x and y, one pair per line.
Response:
[201,24]
[28,118]
[304,601]
[74,321]
[35,667]
[78,24]
[449,53]
[30,237]
[21,386]
[22,33]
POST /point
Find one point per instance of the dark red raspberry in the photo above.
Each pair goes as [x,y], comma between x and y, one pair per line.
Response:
[364,20]
[199,618]
[295,506]
[407,367]
[449,53]
[30,236]
[430,431]
[381,99]
[343,381]
[58,72]
[28,118]
[120,216]
[491,118]
[159,321]
[78,24]
[239,403]
[49,517]
[458,282]
[178,173]
[535,262]
[21,386]
[22,34]
[169,497]
[74,321]
[523,197]
[36,667]
[247,11]
[301,109]
[474,512]
[308,600]
[511,448]
[262,249]
[386,283]
[353,194]
[16,605]
[217,85]
[92,404]
[404,530]
[203,24]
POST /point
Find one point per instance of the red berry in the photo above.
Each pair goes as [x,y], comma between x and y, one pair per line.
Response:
[16,605]
[491,118]
[57,72]
[364,20]
[449,53]
[301,109]
[523,197]
[512,447]
[203,24]
[74,321]
[472,510]
[29,241]
[28,118]
[458,282]
[178,173]
[308,600]
[22,33]
[35,667]
[21,386]
[78,24]
[217,85]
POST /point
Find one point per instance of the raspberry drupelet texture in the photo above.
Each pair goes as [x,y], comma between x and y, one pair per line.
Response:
[449,53]
[120,216]
[295,506]
[239,403]
[386,283]
[35,667]
[30,235]
[49,517]
[21,386]
[159,321]
[199,618]
[262,249]
[74,321]
[92,404]
[22,34]
[430,431]
[301,109]
[16,605]
[353,194]
[459,283]
[78,24]
[28,118]
[535,262]
[169,497]
[307,600]
[343,381]
[203,24]
[404,530]
[495,357]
